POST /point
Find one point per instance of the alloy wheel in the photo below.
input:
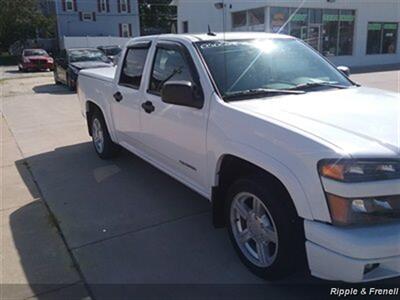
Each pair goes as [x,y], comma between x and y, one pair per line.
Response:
[254,229]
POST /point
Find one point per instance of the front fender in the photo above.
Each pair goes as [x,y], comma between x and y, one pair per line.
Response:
[272,166]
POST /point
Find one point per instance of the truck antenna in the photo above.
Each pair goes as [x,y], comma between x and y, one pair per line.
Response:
[210,32]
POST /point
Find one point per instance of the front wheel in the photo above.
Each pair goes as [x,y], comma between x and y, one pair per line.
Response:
[103,145]
[265,231]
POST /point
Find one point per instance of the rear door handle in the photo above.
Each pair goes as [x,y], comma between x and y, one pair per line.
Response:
[148,107]
[118,96]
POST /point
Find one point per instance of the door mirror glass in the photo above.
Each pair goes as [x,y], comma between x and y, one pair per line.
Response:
[345,70]
[181,93]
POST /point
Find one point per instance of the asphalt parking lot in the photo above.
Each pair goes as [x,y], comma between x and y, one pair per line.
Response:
[122,221]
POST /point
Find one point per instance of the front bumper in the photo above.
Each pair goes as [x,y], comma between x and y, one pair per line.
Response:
[37,66]
[345,254]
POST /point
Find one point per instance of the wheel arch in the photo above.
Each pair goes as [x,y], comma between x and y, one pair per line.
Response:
[90,108]
[232,166]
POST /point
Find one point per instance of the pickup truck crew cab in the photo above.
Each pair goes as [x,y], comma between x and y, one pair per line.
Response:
[301,164]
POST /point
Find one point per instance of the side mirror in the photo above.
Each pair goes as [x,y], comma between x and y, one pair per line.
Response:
[345,70]
[115,60]
[181,93]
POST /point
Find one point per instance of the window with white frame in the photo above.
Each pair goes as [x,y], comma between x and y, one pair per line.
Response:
[125,32]
[123,5]
[69,4]
[87,16]
[103,5]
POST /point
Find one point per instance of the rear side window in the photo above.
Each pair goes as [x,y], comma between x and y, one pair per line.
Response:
[132,69]
[169,64]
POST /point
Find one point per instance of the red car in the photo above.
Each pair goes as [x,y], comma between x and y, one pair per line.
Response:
[35,60]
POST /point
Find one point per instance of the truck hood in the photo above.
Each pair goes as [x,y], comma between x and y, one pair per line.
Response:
[90,64]
[360,121]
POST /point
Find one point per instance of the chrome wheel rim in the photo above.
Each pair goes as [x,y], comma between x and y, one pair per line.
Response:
[254,229]
[97,134]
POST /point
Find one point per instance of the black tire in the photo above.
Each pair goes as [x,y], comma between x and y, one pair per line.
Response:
[290,255]
[70,84]
[109,149]
[56,78]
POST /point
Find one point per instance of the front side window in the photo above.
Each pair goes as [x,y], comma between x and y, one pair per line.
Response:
[169,64]
[279,64]
[382,38]
[132,70]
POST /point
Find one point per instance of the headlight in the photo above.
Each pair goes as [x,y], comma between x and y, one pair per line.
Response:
[348,211]
[26,60]
[349,170]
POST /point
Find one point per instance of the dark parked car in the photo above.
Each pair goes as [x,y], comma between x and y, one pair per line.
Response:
[68,64]
[35,60]
[111,51]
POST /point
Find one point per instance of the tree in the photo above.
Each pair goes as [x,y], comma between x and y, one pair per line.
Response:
[21,20]
[156,16]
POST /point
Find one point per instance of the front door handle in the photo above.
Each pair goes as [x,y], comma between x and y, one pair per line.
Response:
[148,107]
[118,96]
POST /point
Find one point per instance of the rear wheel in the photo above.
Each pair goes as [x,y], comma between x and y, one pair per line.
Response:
[103,145]
[56,78]
[266,233]
[70,84]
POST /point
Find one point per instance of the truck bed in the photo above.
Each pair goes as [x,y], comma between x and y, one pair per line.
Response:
[105,74]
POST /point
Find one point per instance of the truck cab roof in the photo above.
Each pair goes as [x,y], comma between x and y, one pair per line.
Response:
[200,37]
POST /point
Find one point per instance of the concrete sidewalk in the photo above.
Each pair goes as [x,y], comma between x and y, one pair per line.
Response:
[34,258]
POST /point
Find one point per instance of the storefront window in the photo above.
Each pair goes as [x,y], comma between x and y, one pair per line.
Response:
[315,28]
[346,32]
[382,38]
[279,16]
[298,23]
[330,31]
[330,20]
[374,38]
[239,19]
[256,19]
[389,38]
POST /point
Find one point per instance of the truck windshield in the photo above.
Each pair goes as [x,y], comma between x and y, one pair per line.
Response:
[35,52]
[272,64]
[87,55]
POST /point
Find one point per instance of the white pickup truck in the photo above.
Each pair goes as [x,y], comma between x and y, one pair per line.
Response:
[300,163]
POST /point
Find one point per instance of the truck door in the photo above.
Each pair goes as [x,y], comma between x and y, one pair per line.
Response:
[175,135]
[127,95]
